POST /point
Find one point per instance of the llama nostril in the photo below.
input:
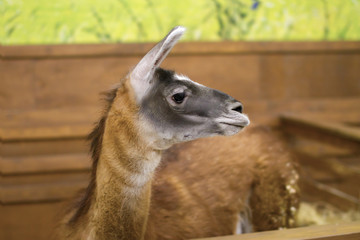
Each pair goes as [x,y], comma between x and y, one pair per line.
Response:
[238,108]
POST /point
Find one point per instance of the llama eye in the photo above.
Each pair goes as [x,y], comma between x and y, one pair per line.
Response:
[178,97]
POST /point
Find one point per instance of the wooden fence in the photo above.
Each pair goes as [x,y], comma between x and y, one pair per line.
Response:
[49,98]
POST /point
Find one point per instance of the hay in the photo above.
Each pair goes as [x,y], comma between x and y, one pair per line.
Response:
[320,213]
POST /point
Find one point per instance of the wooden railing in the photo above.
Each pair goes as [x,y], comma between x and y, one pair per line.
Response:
[344,231]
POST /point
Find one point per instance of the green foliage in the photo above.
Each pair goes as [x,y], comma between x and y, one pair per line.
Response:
[100,21]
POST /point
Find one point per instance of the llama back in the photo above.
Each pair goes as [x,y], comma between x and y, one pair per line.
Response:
[224,185]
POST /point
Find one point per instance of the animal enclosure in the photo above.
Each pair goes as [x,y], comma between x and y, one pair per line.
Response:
[49,96]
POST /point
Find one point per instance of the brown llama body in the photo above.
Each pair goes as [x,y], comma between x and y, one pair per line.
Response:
[203,187]
[207,187]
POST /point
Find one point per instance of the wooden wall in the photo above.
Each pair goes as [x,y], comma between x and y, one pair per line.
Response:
[49,98]
[43,77]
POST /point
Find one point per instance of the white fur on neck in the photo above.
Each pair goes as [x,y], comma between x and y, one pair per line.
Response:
[152,137]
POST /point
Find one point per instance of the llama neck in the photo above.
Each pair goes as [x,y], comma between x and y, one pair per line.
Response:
[123,181]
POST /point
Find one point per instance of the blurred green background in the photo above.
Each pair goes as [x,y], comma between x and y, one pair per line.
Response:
[109,21]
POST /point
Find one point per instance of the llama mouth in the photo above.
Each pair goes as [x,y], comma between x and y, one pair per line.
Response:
[239,121]
[239,125]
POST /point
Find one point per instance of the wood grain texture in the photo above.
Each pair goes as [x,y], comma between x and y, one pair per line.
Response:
[345,231]
[41,192]
[330,132]
[29,221]
[45,77]
[49,99]
[44,164]
[190,48]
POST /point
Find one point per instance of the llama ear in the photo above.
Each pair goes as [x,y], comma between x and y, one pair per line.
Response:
[141,75]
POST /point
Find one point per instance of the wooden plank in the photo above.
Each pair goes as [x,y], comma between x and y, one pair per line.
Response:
[283,77]
[69,115]
[330,132]
[59,83]
[317,191]
[344,110]
[40,192]
[43,147]
[30,221]
[328,175]
[16,85]
[344,231]
[349,116]
[44,164]
[189,48]
[320,75]
[44,133]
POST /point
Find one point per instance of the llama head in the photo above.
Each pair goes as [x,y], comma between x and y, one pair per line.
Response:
[173,108]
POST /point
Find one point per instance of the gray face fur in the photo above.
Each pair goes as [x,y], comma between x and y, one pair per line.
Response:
[173,108]
[184,110]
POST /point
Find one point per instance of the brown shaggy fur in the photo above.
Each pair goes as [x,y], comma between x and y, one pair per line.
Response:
[203,185]
[96,137]
[200,189]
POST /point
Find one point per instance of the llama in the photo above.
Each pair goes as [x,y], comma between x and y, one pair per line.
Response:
[145,187]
